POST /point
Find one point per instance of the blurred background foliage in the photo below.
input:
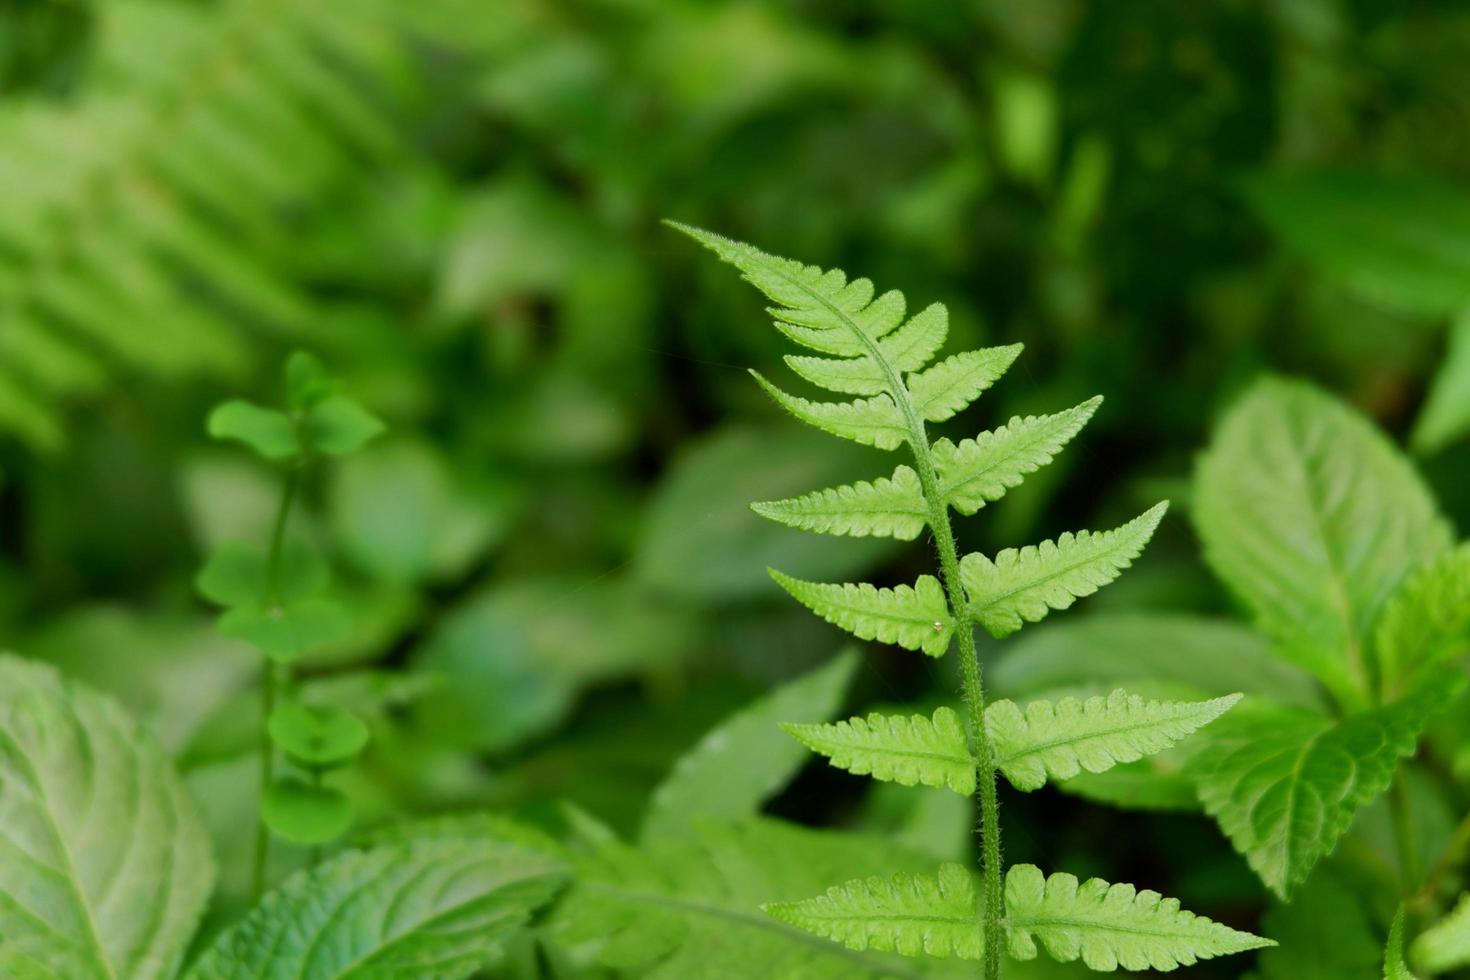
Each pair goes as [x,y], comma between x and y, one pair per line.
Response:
[557,584]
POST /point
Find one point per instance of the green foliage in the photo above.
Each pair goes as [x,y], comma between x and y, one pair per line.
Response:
[1394,967]
[305,813]
[889,506]
[908,750]
[914,617]
[978,471]
[1427,623]
[1446,944]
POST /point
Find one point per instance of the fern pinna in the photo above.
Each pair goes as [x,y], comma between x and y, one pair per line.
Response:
[867,348]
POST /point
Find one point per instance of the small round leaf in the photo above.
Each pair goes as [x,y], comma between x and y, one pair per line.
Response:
[307,381]
[286,632]
[317,738]
[264,430]
[339,425]
[304,813]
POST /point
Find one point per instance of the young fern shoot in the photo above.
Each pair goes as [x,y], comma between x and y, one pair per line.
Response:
[868,349]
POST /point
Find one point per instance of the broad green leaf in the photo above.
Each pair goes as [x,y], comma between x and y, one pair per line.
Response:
[1022,586]
[1445,415]
[1313,519]
[745,759]
[305,813]
[1328,931]
[286,632]
[338,425]
[265,430]
[874,421]
[1060,740]
[237,573]
[914,617]
[906,349]
[317,737]
[1285,784]
[1397,239]
[1108,926]
[1427,622]
[389,913]
[940,391]
[911,914]
[905,749]
[978,471]
[889,506]
[1446,944]
[1394,967]
[105,868]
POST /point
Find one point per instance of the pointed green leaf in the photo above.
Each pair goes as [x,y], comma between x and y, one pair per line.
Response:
[874,421]
[1062,739]
[911,914]
[267,431]
[407,911]
[304,813]
[948,387]
[1445,415]
[889,506]
[905,749]
[1022,586]
[1285,784]
[908,348]
[1108,926]
[742,761]
[914,617]
[1313,519]
[1394,967]
[1427,622]
[1445,945]
[106,867]
[338,425]
[980,470]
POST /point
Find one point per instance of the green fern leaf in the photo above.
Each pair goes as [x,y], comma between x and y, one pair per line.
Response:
[914,617]
[1446,945]
[874,421]
[1284,784]
[1109,926]
[1062,739]
[911,914]
[908,348]
[948,387]
[1022,586]
[1427,622]
[1394,967]
[889,506]
[980,470]
[905,749]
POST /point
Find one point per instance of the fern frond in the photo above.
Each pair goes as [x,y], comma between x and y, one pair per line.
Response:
[1445,945]
[874,421]
[908,348]
[904,749]
[1109,926]
[1022,586]
[911,914]
[914,617]
[1062,739]
[889,506]
[948,387]
[980,470]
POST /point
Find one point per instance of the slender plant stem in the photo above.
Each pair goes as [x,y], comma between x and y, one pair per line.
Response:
[1401,814]
[1448,858]
[270,680]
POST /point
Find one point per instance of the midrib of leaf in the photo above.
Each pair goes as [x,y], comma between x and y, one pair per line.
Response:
[1291,793]
[1033,583]
[1095,925]
[763,922]
[1100,733]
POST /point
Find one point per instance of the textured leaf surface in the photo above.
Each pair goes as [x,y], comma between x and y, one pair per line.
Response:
[1285,784]
[949,386]
[104,865]
[912,914]
[408,911]
[745,759]
[906,749]
[1062,739]
[977,471]
[1446,945]
[874,421]
[1428,621]
[1394,967]
[908,348]
[1022,586]
[888,506]
[914,617]
[1108,926]
[1313,519]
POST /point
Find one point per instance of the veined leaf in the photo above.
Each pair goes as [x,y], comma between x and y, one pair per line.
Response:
[948,387]
[1022,586]
[1313,519]
[1284,784]
[1445,945]
[397,912]
[1109,926]
[914,617]
[912,914]
[980,470]
[1394,967]
[1062,739]
[874,421]
[1427,622]
[890,506]
[905,749]
[743,760]
[1326,932]
[105,867]
[908,348]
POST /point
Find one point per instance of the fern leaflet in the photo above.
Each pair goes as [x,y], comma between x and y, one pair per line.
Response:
[978,471]
[914,617]
[902,749]
[890,506]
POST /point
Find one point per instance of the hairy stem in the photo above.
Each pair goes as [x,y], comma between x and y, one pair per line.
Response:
[269,680]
